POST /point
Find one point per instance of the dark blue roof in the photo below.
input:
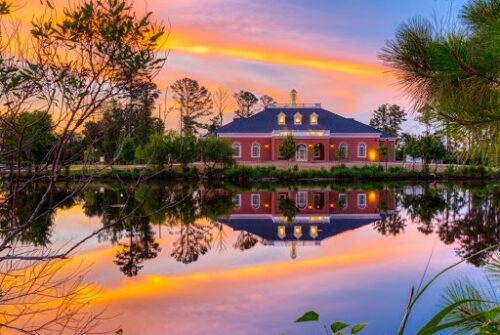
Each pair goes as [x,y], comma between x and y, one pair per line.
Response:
[267,229]
[267,121]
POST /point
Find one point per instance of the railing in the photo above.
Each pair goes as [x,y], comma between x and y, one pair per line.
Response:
[301,133]
[302,105]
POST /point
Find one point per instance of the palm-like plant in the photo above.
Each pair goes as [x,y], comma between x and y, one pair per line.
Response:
[456,71]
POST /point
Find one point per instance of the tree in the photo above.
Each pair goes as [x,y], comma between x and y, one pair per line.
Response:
[246,104]
[288,209]
[220,104]
[455,70]
[194,103]
[266,100]
[156,151]
[383,152]
[288,148]
[431,149]
[411,147]
[388,118]
[214,151]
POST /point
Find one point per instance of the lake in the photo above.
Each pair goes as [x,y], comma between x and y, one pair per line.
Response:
[233,259]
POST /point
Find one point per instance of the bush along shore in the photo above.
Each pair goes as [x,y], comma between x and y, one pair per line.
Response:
[271,173]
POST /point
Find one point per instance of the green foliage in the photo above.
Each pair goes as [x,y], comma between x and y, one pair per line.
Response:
[214,151]
[454,70]
[288,209]
[338,326]
[388,118]
[288,148]
[308,316]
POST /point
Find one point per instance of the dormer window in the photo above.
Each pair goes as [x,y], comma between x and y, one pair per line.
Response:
[297,118]
[313,119]
[281,119]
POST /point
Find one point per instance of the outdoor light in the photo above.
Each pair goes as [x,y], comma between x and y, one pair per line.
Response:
[331,146]
[372,155]
[372,197]
[266,146]
[281,232]
[313,231]
[310,145]
[266,205]
[297,232]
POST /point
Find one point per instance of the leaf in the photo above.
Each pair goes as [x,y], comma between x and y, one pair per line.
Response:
[357,328]
[308,316]
[338,326]
[443,313]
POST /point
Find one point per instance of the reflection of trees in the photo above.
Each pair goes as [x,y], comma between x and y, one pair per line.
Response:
[245,241]
[288,209]
[469,217]
[18,210]
[424,208]
[194,240]
[390,225]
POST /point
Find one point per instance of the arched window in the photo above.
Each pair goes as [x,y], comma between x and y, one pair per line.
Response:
[297,118]
[255,199]
[237,201]
[362,200]
[301,199]
[313,119]
[301,154]
[281,119]
[343,152]
[362,150]
[255,150]
[236,150]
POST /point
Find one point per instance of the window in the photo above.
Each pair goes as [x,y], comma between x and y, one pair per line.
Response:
[301,154]
[236,150]
[281,119]
[237,201]
[343,200]
[362,200]
[255,150]
[255,200]
[301,199]
[297,118]
[362,150]
[343,151]
[313,119]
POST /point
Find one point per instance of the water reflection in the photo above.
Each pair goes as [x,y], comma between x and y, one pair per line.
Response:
[134,216]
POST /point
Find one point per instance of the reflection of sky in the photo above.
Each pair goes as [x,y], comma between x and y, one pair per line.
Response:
[325,49]
[357,276]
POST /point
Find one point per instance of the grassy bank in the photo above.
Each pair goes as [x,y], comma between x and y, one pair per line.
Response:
[246,173]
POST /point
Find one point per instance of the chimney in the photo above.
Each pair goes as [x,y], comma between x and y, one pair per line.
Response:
[293,95]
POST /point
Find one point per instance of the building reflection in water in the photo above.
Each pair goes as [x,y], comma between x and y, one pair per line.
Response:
[306,216]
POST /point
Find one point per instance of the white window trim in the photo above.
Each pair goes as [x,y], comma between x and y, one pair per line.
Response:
[361,195]
[298,196]
[251,148]
[360,144]
[295,118]
[239,145]
[315,116]
[251,200]
[279,119]
[297,153]
[237,205]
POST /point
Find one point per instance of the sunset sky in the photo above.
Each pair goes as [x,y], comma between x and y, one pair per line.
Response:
[326,49]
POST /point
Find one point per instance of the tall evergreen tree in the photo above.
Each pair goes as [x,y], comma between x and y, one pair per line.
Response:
[388,118]
[194,103]
[455,70]
[246,104]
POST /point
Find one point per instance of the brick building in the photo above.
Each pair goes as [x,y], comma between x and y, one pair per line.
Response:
[320,135]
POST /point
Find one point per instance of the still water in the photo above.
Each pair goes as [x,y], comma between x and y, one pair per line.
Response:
[200,259]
